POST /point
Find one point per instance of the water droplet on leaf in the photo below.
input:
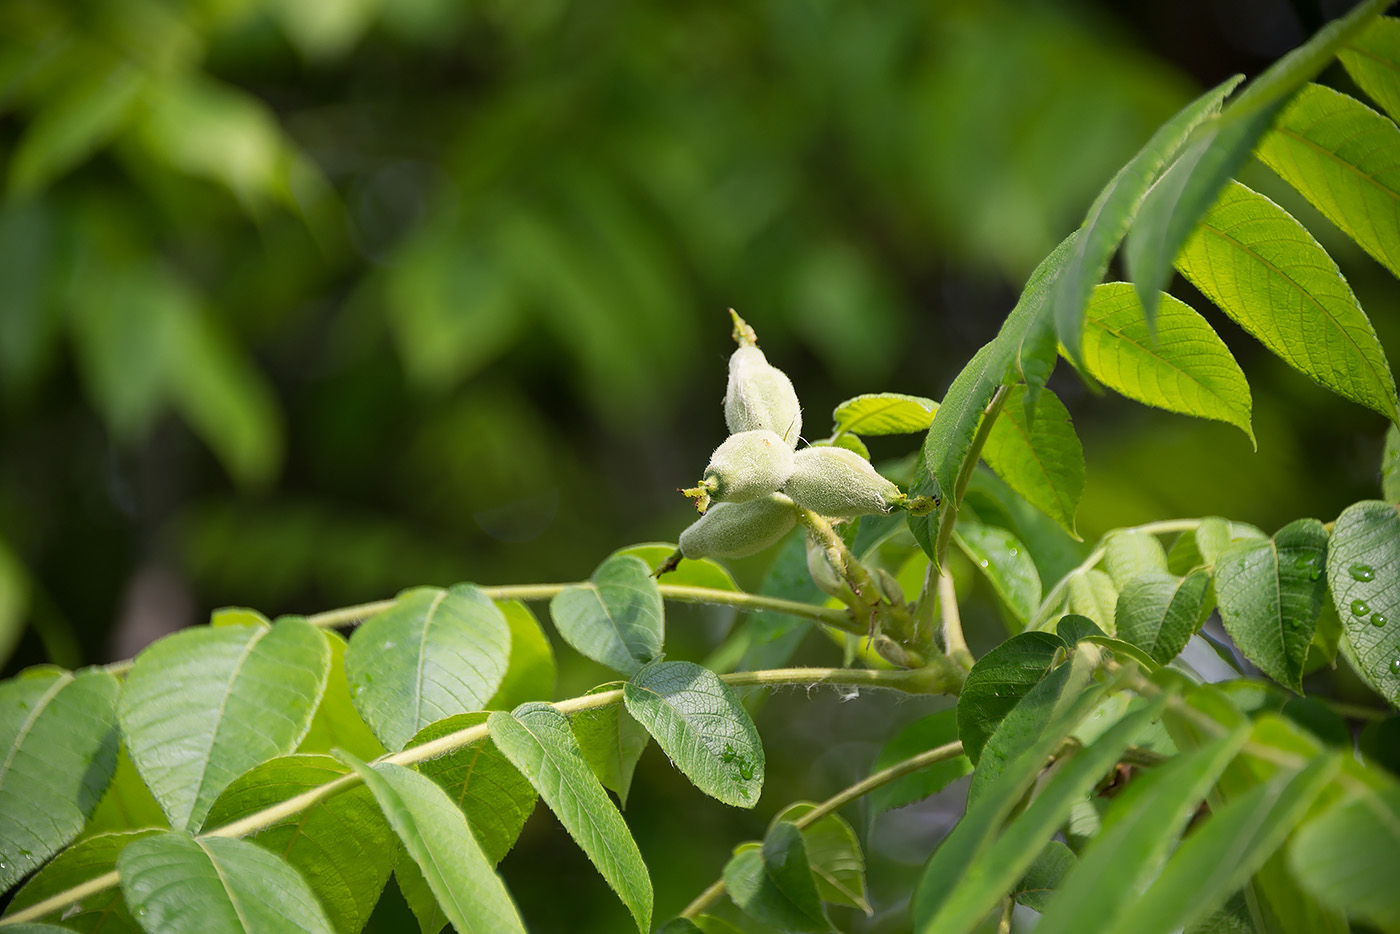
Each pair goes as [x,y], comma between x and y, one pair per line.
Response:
[1359,607]
[1378,619]
[1361,572]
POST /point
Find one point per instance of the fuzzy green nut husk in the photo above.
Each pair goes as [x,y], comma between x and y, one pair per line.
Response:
[746,466]
[760,396]
[736,530]
[839,483]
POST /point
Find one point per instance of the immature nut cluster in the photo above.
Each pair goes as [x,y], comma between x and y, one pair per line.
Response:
[757,480]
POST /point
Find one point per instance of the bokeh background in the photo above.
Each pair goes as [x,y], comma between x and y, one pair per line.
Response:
[302,303]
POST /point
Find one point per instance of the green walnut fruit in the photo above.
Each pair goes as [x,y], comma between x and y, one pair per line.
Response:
[746,466]
[836,482]
[760,396]
[736,530]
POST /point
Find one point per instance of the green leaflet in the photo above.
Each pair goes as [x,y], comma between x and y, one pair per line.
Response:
[1363,573]
[1263,269]
[433,654]
[337,724]
[87,859]
[1186,368]
[700,724]
[1112,212]
[1129,553]
[883,413]
[127,804]
[341,845]
[834,854]
[1218,147]
[1345,159]
[997,683]
[1372,58]
[611,741]
[531,672]
[1020,729]
[536,738]
[481,781]
[1093,596]
[1270,593]
[617,618]
[1139,830]
[927,733]
[1349,856]
[436,835]
[1220,857]
[997,865]
[954,425]
[176,884]
[774,882]
[1039,456]
[1158,612]
[59,734]
[1044,876]
[1006,563]
[1390,465]
[204,705]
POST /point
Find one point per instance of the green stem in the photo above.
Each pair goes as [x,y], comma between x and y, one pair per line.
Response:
[954,643]
[927,680]
[838,801]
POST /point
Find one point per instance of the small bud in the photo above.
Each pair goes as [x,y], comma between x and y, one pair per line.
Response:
[824,575]
[736,530]
[746,466]
[836,482]
[760,395]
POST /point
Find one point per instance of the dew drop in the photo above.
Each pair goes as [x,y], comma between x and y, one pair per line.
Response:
[745,769]
[1359,607]
[1014,552]
[984,562]
[1395,666]
[1378,619]
[1314,574]
[1361,572]
[1303,563]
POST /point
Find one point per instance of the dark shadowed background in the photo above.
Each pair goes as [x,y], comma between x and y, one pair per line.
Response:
[304,303]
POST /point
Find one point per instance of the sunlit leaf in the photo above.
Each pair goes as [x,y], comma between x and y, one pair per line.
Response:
[1218,147]
[103,911]
[341,845]
[692,572]
[434,832]
[611,741]
[1129,553]
[1363,572]
[204,705]
[433,654]
[1006,564]
[1039,458]
[59,734]
[616,618]
[1263,269]
[337,724]
[536,738]
[883,413]
[1345,159]
[926,733]
[174,883]
[1113,210]
[127,803]
[1270,593]
[481,781]
[1372,58]
[700,724]
[1093,596]
[1185,368]
[774,882]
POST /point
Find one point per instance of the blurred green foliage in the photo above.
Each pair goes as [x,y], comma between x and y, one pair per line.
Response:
[303,303]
